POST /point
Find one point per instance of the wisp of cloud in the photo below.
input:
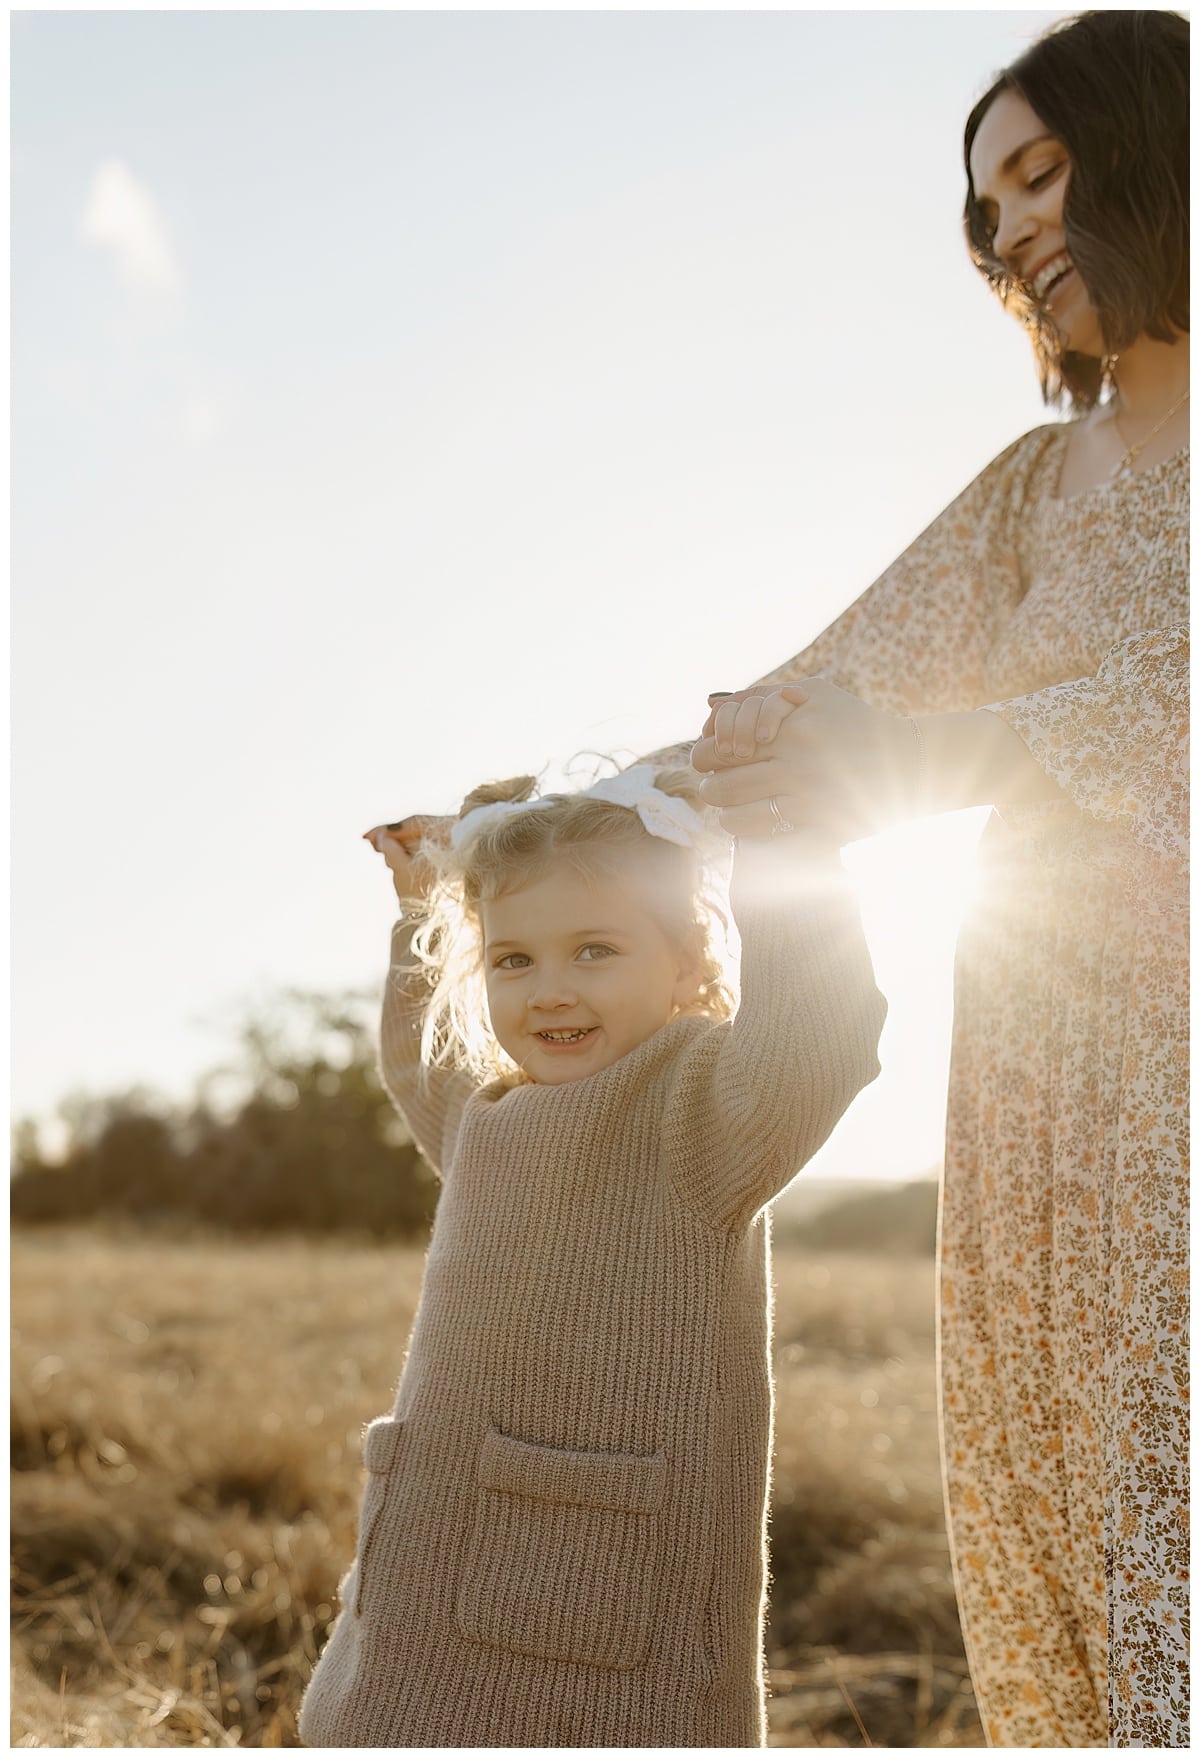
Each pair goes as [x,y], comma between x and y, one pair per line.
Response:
[122,216]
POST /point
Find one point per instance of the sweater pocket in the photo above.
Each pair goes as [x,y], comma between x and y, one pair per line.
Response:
[381,1451]
[563,1553]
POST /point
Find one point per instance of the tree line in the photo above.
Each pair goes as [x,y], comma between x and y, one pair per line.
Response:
[305,1139]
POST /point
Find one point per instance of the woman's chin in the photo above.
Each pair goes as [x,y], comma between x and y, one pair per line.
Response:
[1077,324]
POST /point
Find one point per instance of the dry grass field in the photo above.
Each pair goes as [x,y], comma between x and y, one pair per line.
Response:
[185,1428]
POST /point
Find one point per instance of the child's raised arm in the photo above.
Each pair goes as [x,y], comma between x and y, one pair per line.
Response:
[758,1097]
[430,1099]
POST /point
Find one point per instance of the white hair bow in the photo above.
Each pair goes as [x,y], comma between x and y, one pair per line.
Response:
[661,813]
[477,820]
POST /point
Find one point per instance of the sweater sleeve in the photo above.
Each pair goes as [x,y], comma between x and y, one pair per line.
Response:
[429,1099]
[755,1099]
[1118,745]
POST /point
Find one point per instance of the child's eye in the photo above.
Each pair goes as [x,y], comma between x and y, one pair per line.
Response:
[513,961]
[596,951]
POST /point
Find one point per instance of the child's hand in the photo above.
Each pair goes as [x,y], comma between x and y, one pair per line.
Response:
[739,726]
[401,844]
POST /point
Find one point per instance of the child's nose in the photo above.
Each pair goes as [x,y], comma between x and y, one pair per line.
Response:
[552,990]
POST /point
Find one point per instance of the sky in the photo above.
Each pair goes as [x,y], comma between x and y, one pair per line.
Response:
[401,399]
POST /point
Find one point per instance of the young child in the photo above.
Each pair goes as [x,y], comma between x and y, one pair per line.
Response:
[562,1535]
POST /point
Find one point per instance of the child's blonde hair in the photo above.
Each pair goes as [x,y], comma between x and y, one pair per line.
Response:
[597,838]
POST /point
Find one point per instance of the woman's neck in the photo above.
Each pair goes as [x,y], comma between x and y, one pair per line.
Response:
[1150,376]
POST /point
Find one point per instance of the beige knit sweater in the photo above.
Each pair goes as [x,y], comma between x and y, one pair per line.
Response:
[562,1535]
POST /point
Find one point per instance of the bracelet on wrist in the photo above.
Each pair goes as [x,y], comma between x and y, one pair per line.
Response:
[918,782]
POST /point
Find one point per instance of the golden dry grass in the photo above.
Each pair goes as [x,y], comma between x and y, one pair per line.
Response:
[185,1422]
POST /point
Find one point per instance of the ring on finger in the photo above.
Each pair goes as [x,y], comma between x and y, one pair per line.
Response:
[780,825]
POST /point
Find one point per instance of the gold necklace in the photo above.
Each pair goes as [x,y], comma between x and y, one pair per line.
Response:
[1125,463]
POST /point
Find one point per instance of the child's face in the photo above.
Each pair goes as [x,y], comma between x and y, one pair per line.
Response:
[578,974]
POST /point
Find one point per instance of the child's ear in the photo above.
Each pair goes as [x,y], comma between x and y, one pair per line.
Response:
[689,977]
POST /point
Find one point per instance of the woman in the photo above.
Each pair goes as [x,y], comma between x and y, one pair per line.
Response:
[1030,652]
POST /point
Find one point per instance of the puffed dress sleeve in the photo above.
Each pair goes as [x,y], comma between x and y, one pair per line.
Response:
[1117,744]
[917,640]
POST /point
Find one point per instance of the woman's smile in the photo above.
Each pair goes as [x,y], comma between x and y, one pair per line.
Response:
[1021,173]
[1045,282]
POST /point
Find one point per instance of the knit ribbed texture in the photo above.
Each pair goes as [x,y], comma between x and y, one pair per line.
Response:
[562,1535]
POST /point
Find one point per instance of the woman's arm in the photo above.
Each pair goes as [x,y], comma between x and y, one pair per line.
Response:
[1111,749]
[917,640]
[853,769]
[976,759]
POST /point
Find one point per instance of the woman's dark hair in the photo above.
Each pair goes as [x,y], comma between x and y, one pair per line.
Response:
[1113,88]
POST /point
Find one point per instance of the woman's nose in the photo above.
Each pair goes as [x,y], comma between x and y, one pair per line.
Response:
[1015,229]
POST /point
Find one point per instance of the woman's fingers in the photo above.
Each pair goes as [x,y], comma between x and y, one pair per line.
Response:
[758,819]
[772,714]
[704,754]
[420,827]
[406,831]
[410,832]
[822,816]
[403,846]
[747,782]
[411,872]
[806,794]
[837,756]
[724,721]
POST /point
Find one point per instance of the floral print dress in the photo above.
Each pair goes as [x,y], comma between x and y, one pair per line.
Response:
[1064,1280]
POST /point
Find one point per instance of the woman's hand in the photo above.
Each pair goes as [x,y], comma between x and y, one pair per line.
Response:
[738,724]
[844,769]
[835,764]
[401,846]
